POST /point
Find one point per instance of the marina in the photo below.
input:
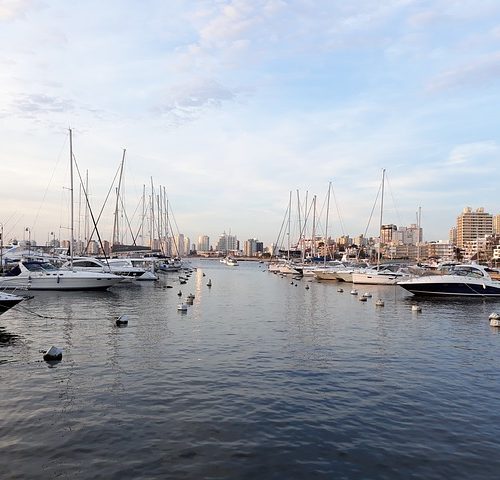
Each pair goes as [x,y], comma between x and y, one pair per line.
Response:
[256,377]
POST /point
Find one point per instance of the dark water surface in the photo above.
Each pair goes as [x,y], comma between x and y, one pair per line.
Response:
[260,379]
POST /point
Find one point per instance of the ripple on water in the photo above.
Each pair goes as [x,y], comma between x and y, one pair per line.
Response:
[257,380]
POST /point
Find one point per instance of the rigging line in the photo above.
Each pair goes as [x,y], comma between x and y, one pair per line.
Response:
[102,208]
[373,209]
[338,212]
[91,214]
[279,234]
[128,223]
[393,200]
[50,181]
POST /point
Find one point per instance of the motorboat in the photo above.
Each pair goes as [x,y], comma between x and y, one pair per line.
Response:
[470,280]
[8,300]
[45,276]
[117,266]
[381,275]
[230,261]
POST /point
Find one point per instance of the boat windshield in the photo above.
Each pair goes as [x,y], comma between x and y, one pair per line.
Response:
[466,271]
[39,266]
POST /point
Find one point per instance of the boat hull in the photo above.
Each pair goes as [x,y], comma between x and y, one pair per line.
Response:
[453,288]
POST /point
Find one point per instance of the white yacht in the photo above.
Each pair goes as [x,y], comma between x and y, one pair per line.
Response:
[45,276]
[461,280]
[382,275]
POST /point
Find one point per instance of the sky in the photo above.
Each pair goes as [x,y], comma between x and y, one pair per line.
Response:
[232,105]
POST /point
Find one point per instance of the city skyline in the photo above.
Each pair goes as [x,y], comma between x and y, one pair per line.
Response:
[232,105]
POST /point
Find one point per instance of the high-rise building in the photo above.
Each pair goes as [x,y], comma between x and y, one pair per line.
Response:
[496,224]
[388,233]
[472,225]
[203,243]
[453,235]
[227,243]
[252,247]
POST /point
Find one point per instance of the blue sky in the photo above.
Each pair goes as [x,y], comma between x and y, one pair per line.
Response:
[233,104]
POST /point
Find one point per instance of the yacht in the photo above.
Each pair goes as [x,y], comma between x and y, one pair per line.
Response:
[470,280]
[381,275]
[36,275]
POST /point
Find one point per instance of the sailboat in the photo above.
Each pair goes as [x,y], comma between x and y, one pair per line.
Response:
[379,275]
[42,275]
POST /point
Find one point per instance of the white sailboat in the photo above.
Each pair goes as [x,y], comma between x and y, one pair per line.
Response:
[378,275]
[40,275]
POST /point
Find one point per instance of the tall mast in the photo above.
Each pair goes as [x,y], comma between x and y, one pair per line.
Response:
[72,233]
[325,251]
[289,224]
[313,244]
[116,226]
[381,211]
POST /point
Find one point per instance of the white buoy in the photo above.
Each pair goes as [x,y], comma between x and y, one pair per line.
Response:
[354,292]
[53,354]
[362,299]
[494,319]
[340,290]
[182,307]
[122,320]
[416,308]
[379,303]
[367,295]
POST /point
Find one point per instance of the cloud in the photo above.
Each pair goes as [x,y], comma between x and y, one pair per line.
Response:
[186,102]
[483,70]
[472,154]
[11,9]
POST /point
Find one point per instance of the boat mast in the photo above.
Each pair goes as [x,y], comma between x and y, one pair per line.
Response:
[326,248]
[71,198]
[116,226]
[381,210]
[313,245]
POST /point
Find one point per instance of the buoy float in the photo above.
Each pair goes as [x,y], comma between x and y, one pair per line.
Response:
[53,354]
[170,286]
[362,299]
[182,307]
[416,308]
[340,290]
[179,294]
[122,320]
[209,284]
[354,292]
[379,303]
[307,287]
[367,295]
[494,319]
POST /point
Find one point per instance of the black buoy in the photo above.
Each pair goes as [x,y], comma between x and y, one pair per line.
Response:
[53,354]
[209,284]
[122,320]
[179,294]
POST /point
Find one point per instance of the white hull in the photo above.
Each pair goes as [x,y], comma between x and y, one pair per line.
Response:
[46,277]
[375,279]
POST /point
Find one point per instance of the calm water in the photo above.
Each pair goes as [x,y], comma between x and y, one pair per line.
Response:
[261,379]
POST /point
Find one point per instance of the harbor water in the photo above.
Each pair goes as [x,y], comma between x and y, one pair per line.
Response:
[261,378]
